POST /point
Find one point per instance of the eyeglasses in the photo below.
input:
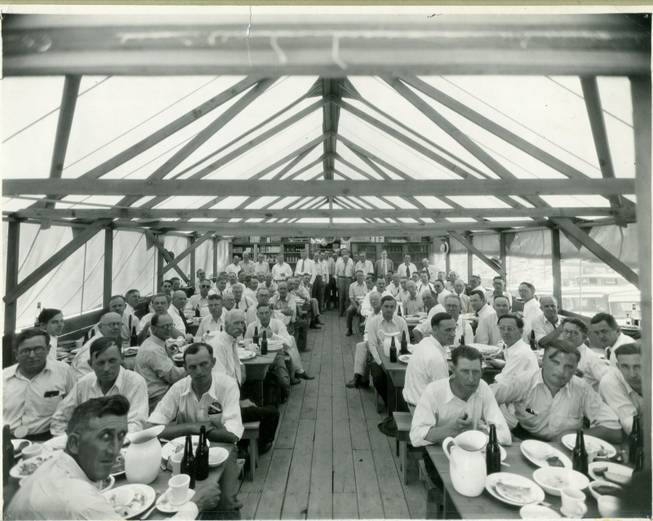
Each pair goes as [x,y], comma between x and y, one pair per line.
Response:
[26,351]
[165,326]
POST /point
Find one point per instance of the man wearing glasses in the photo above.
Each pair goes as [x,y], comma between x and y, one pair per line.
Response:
[201,301]
[33,387]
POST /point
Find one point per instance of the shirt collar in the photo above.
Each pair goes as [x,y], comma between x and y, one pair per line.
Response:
[539,380]
[47,368]
[188,387]
[72,467]
[448,395]
[117,384]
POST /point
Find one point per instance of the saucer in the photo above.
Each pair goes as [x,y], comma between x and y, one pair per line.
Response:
[163,503]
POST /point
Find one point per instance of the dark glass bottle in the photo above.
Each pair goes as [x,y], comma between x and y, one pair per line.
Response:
[398,310]
[404,344]
[202,457]
[188,461]
[264,343]
[579,455]
[493,452]
[533,342]
[462,340]
[255,337]
[133,338]
[393,350]
[7,452]
[197,312]
[636,445]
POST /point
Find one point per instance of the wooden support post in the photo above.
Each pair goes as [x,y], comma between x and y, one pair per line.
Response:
[640,88]
[555,259]
[174,263]
[166,257]
[11,281]
[447,262]
[470,258]
[108,265]
[503,255]
[159,269]
[191,240]
[215,256]
[468,243]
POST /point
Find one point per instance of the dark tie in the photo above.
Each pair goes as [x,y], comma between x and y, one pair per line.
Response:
[236,305]
[407,271]
[428,275]
[302,268]
[183,319]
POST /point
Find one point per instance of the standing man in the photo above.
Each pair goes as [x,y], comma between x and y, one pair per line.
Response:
[344,274]
[332,289]
[321,279]
[281,270]
[235,266]
[364,264]
[262,267]
[531,306]
[248,267]
[357,292]
[305,266]
[431,272]
[407,268]
[384,266]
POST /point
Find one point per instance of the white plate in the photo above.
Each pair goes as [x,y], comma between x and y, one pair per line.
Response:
[602,483]
[617,474]
[591,443]
[535,494]
[177,445]
[16,443]
[244,354]
[217,456]
[275,346]
[554,479]
[26,467]
[163,503]
[538,512]
[143,497]
[537,451]
[404,358]
[58,443]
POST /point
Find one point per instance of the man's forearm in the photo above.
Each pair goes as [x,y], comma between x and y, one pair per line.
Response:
[438,434]
[606,434]
[221,435]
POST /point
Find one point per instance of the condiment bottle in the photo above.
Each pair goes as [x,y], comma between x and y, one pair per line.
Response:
[404,344]
[264,343]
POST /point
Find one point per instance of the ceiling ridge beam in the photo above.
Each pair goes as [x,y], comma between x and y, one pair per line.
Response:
[331,94]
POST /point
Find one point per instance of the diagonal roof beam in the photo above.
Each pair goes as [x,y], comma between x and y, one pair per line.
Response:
[332,89]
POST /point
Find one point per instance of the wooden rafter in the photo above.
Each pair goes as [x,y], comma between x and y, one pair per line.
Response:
[164,255]
[193,246]
[331,95]
[473,249]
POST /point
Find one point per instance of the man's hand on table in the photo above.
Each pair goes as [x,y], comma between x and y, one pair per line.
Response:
[497,363]
[207,495]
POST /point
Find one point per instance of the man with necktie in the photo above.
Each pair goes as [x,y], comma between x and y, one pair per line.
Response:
[344,275]
[384,265]
[407,268]
[305,265]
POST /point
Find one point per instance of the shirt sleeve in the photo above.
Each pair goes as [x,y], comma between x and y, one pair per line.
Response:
[138,405]
[617,398]
[231,418]
[167,409]
[508,390]
[424,418]
[469,334]
[483,332]
[373,340]
[165,369]
[598,412]
[64,411]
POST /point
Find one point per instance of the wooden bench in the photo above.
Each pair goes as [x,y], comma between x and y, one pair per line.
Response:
[403,420]
[251,434]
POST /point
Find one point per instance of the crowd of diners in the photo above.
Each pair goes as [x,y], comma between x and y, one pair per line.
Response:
[589,373]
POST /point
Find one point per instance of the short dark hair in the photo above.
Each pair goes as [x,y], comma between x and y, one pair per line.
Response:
[263,305]
[214,296]
[439,317]
[628,349]
[605,317]
[195,347]
[100,345]
[562,346]
[154,321]
[131,292]
[28,333]
[477,292]
[388,297]
[467,352]
[577,322]
[517,318]
[113,297]
[529,285]
[47,314]
[115,405]
[499,277]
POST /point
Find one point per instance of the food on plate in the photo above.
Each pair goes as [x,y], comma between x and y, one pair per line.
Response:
[554,461]
[606,490]
[513,492]
[556,481]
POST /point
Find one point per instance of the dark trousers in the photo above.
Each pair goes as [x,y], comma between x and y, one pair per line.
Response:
[269,418]
[318,291]
[332,292]
[351,313]
[343,293]
[380,380]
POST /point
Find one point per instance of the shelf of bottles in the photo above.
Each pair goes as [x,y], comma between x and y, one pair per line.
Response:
[292,252]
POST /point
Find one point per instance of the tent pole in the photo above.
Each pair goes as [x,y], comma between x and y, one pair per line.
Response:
[191,240]
[108,265]
[159,270]
[555,260]
[13,244]
[215,256]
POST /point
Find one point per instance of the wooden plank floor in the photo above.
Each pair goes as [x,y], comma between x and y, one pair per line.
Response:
[329,459]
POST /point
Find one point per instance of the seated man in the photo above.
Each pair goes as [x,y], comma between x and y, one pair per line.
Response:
[453,405]
[307,292]
[160,303]
[200,301]
[463,328]
[517,357]
[362,357]
[225,349]
[65,486]
[153,362]
[423,329]
[424,284]
[546,323]
[487,331]
[33,387]
[357,292]
[395,286]
[110,326]
[605,333]
[440,291]
[214,321]
[479,306]
[251,285]
[176,312]
[429,360]
[284,305]
[275,330]
[621,387]
[552,401]
[108,378]
[591,367]
[413,302]
[118,304]
[241,301]
[459,288]
[204,399]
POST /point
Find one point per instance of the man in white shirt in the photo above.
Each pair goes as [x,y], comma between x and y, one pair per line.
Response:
[453,405]
[117,305]
[248,267]
[221,284]
[240,300]
[362,357]
[517,355]
[479,306]
[364,264]
[545,324]
[160,303]
[200,301]
[321,279]
[251,286]
[395,286]
[459,289]
[262,266]
[463,328]
[423,329]
[384,266]
[621,387]
[305,266]
[357,292]
[498,290]
[591,368]
[531,305]
[429,360]
[424,285]
[176,312]
[108,378]
[552,401]
[344,271]
[213,322]
[281,270]
[487,331]
[440,291]
[412,304]
[110,326]
[130,319]
[235,266]
[605,333]
[431,271]
[34,386]
[406,268]
[65,486]
[132,298]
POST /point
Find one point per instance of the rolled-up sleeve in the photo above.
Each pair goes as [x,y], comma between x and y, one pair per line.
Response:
[372,331]
[424,418]
[598,412]
[167,409]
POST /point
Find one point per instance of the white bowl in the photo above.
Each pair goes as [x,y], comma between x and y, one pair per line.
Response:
[537,512]
[596,491]
[617,473]
[32,450]
[554,479]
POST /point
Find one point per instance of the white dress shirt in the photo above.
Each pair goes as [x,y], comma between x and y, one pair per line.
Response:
[30,403]
[129,322]
[442,296]
[427,364]
[530,312]
[520,359]
[439,406]
[487,331]
[197,301]
[262,268]
[609,351]
[624,401]
[424,326]
[233,268]
[158,369]
[207,325]
[225,350]
[80,364]
[128,383]
[52,353]
[177,321]
[542,327]
[379,334]
[306,266]
[344,270]
[403,269]
[365,266]
[592,366]
[281,271]
[393,290]
[180,404]
[421,287]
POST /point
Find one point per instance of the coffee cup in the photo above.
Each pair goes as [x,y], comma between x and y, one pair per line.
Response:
[32,450]
[174,462]
[573,502]
[178,486]
[609,506]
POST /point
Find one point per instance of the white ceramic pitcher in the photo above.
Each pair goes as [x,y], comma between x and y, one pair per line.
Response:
[143,456]
[467,462]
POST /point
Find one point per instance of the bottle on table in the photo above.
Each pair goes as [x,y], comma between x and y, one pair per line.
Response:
[202,457]
[7,452]
[393,350]
[188,461]
[579,454]
[133,337]
[197,311]
[399,309]
[404,344]
[264,343]
[493,452]
[255,337]
[533,342]
[636,445]
[462,340]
